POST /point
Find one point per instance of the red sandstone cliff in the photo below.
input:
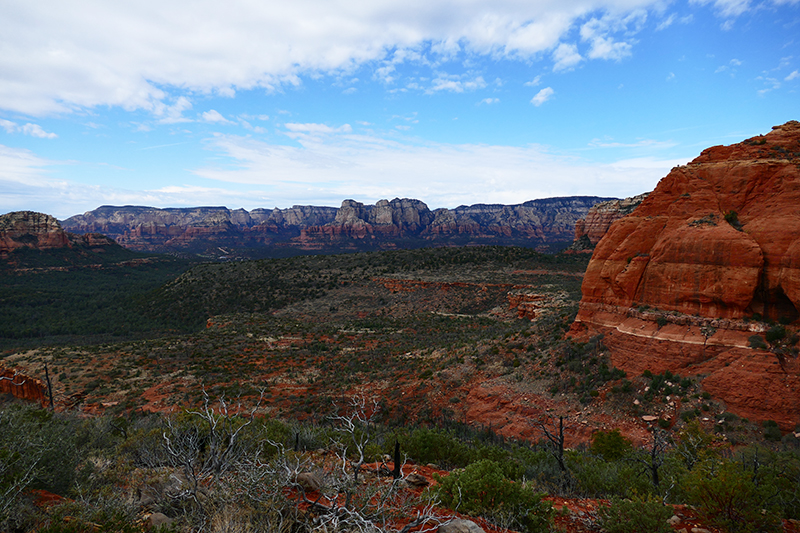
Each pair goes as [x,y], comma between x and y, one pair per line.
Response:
[675,284]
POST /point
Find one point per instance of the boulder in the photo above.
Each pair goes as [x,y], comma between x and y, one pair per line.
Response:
[460,525]
[158,519]
[309,481]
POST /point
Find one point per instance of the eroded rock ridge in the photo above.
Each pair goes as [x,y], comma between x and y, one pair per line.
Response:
[389,223]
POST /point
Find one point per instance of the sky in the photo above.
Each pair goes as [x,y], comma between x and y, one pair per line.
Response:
[261,104]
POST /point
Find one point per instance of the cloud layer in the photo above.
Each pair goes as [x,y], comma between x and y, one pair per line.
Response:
[331,164]
[64,56]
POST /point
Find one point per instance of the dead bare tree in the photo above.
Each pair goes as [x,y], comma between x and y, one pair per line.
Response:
[553,431]
[350,505]
[653,459]
[356,425]
[208,447]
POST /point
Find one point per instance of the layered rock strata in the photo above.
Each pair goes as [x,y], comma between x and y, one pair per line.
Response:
[387,224]
[683,281]
[591,228]
[21,386]
[29,229]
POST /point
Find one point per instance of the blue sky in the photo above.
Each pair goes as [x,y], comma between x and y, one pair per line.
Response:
[265,104]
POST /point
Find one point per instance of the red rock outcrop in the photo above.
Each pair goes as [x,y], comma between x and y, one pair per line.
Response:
[675,284]
[28,229]
[21,386]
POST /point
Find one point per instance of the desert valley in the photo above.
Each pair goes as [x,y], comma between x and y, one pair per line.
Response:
[566,364]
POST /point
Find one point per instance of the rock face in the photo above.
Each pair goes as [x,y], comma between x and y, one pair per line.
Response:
[677,283]
[197,229]
[21,386]
[590,229]
[28,229]
[354,226]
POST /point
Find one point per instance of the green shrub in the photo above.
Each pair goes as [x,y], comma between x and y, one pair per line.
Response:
[727,495]
[772,431]
[732,218]
[775,333]
[610,445]
[757,342]
[636,515]
[597,477]
[482,489]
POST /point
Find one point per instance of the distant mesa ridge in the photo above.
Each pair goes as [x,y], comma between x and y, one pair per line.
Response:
[548,223]
[29,229]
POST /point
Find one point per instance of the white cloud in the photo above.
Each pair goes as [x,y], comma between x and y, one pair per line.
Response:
[598,32]
[456,84]
[332,166]
[34,130]
[255,129]
[542,96]
[771,83]
[214,116]
[644,143]
[534,82]
[7,125]
[143,54]
[335,163]
[489,101]
[667,22]
[727,8]
[793,76]
[565,57]
[317,128]
[173,114]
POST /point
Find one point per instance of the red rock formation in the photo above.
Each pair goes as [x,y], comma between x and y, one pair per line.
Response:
[716,242]
[27,229]
[22,229]
[547,222]
[21,386]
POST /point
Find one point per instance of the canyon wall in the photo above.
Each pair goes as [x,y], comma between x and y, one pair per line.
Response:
[548,223]
[684,281]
